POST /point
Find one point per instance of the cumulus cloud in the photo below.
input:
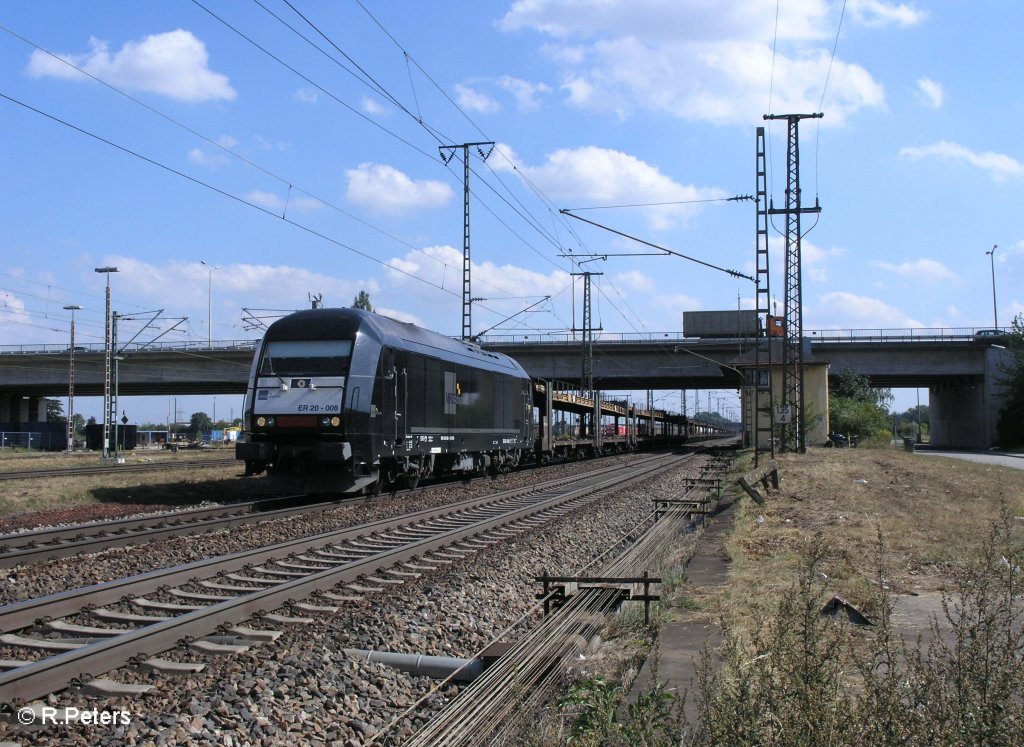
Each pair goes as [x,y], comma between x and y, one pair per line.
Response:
[441,265]
[234,285]
[999,165]
[814,260]
[386,189]
[475,101]
[602,176]
[306,95]
[842,310]
[173,64]
[930,93]
[704,60]
[922,270]
[527,94]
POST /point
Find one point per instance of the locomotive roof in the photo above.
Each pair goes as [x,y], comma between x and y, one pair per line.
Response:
[345,323]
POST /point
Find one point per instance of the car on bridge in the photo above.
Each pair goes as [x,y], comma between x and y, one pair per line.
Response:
[992,336]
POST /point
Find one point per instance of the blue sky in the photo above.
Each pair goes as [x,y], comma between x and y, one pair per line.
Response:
[917,161]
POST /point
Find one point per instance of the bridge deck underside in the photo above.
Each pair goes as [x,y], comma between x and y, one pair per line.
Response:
[617,367]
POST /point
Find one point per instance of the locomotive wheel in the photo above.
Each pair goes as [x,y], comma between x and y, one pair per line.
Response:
[411,481]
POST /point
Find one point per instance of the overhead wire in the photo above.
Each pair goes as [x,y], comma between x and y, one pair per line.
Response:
[369,81]
[218,190]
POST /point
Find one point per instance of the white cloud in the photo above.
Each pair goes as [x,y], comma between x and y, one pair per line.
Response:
[13,314]
[306,95]
[525,92]
[878,13]
[372,106]
[474,101]
[843,310]
[814,260]
[702,60]
[999,165]
[442,266]
[634,280]
[234,285]
[601,176]
[930,93]
[386,189]
[921,270]
[276,204]
[200,157]
[173,64]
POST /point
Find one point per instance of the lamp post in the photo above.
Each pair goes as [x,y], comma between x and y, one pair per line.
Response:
[107,417]
[992,257]
[209,302]
[71,379]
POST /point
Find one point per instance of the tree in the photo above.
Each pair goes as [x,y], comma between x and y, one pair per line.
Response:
[1010,425]
[78,423]
[362,301]
[199,424]
[855,407]
[55,411]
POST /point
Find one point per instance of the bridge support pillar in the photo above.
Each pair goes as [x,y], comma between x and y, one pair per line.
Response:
[964,412]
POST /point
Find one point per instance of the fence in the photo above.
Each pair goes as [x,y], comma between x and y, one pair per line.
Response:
[33,440]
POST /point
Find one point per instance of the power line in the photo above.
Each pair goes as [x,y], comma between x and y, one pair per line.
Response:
[220,191]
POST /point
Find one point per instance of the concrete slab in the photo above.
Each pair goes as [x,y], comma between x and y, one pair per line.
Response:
[682,641]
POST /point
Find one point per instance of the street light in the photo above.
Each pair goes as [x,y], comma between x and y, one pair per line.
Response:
[107,417]
[71,379]
[209,303]
[992,257]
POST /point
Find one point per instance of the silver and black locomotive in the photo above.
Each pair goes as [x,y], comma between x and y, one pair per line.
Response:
[352,401]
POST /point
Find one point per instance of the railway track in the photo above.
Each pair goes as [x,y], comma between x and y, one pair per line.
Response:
[157,610]
[29,474]
[63,542]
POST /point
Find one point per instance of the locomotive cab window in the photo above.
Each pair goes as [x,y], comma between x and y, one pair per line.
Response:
[306,358]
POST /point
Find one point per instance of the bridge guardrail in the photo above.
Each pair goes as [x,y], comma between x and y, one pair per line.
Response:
[906,334]
[172,346]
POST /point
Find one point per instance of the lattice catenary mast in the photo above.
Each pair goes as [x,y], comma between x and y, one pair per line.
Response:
[794,433]
[447,153]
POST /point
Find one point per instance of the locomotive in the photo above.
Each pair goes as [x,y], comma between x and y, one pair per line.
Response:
[352,401]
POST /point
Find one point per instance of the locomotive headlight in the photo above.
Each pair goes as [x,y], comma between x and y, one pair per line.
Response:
[270,422]
[261,421]
[335,421]
[325,421]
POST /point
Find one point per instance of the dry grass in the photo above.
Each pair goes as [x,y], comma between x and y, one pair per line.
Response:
[932,513]
[72,498]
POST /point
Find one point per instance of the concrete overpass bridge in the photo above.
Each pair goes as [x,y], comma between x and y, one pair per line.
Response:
[960,371]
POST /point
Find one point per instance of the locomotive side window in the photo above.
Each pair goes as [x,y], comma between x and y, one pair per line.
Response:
[306,358]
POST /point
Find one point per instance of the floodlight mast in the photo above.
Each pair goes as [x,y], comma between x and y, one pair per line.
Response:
[108,417]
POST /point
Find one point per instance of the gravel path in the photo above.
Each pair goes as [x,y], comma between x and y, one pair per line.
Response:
[302,689]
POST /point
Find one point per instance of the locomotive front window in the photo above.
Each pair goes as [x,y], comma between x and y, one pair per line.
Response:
[306,358]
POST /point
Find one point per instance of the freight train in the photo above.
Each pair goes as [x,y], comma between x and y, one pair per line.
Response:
[352,401]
